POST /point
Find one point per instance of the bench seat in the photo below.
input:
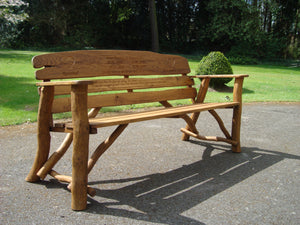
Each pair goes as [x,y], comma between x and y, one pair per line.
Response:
[150,115]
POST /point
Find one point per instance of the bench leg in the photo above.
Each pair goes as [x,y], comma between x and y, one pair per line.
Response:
[237,114]
[236,127]
[42,153]
[58,154]
[43,133]
[79,170]
[80,147]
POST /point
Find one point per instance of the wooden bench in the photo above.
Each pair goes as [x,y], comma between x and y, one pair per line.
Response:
[123,78]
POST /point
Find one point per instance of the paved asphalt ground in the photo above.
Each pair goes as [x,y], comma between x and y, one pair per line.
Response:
[150,176]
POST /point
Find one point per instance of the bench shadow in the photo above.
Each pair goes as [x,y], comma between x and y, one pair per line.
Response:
[18,88]
[163,197]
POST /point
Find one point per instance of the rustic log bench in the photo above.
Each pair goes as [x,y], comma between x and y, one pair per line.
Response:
[123,78]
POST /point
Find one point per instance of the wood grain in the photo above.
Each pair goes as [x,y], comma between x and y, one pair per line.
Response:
[103,85]
[43,132]
[91,63]
[237,113]
[154,114]
[200,99]
[104,100]
[80,146]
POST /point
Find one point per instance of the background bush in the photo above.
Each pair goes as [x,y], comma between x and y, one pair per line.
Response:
[215,63]
[242,60]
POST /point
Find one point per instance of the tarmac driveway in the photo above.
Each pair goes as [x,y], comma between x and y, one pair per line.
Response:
[150,176]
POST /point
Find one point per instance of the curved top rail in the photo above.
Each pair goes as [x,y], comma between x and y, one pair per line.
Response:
[92,63]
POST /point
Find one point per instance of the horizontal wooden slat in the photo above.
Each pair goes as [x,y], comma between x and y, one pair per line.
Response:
[61,105]
[131,83]
[64,104]
[91,63]
[65,83]
[156,114]
[141,97]
[221,76]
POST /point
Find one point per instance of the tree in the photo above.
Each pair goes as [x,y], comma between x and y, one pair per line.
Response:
[154,29]
[231,23]
[285,18]
[11,14]
[255,28]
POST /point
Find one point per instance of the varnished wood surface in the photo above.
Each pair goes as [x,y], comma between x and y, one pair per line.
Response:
[208,138]
[200,99]
[43,132]
[64,104]
[80,147]
[64,83]
[58,154]
[237,113]
[155,114]
[222,76]
[91,63]
[103,85]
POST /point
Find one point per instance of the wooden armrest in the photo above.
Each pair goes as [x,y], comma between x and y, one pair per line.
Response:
[221,76]
[65,83]
[237,90]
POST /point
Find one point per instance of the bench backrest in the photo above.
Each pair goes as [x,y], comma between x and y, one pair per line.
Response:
[125,73]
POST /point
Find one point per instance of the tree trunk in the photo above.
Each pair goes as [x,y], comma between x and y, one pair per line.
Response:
[154,29]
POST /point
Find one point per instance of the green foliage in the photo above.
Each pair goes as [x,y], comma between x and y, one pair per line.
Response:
[215,63]
[258,29]
[242,60]
[12,13]
[243,54]
[230,23]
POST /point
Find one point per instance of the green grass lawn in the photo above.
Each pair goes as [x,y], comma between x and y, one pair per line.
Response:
[18,93]
[266,83]
[19,97]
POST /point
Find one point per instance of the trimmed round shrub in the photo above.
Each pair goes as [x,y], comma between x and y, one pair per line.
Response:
[215,63]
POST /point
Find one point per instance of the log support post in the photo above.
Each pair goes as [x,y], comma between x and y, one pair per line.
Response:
[237,113]
[80,146]
[43,132]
